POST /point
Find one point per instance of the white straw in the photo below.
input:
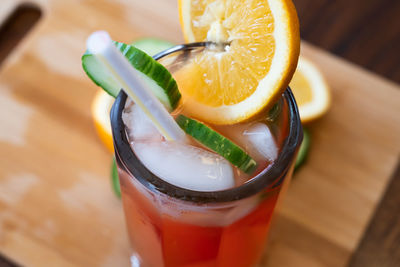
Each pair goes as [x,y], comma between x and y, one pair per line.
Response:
[100,44]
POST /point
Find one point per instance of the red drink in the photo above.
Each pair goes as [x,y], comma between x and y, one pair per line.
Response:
[171,226]
[202,193]
[187,239]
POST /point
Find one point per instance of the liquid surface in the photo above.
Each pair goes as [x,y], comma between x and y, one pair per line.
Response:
[193,166]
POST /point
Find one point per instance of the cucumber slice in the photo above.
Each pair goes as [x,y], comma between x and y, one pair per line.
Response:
[218,143]
[304,148]
[152,46]
[114,179]
[161,82]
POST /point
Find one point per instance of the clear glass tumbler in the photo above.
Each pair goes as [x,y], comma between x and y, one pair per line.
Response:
[170,226]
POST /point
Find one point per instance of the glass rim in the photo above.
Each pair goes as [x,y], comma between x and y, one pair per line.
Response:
[127,157]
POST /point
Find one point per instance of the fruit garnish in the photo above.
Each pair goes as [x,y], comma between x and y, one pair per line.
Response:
[252,71]
[155,75]
[100,110]
[303,150]
[114,179]
[217,143]
[128,67]
[152,46]
[102,101]
[310,90]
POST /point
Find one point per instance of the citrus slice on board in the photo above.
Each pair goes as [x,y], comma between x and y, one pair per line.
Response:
[261,47]
[101,107]
[310,90]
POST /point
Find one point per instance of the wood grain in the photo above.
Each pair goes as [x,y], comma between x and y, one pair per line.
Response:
[56,204]
[381,245]
[364,32]
[335,194]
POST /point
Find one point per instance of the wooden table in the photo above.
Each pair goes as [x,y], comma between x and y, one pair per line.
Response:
[364,32]
[56,205]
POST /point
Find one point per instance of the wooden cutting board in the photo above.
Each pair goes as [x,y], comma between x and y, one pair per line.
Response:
[56,203]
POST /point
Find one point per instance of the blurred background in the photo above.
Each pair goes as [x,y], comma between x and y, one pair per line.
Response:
[366,33]
[55,198]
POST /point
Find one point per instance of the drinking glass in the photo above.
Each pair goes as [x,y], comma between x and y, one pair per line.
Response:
[172,227]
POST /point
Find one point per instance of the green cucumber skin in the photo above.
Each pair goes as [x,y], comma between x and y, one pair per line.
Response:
[152,46]
[145,64]
[218,143]
[303,150]
[154,70]
[114,179]
[87,57]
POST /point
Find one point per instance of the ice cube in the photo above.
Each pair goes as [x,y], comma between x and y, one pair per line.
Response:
[259,138]
[186,166]
[140,127]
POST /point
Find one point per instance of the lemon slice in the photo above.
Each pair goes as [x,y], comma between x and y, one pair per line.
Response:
[233,84]
[100,109]
[310,90]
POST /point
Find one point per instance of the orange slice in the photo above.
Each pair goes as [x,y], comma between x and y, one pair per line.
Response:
[233,84]
[100,109]
[310,90]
